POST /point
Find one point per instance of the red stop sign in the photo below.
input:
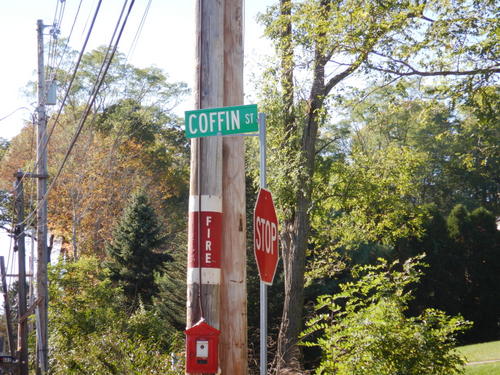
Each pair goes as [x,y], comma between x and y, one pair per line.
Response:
[265,236]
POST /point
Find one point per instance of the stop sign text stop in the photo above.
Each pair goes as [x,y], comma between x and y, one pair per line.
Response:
[265,236]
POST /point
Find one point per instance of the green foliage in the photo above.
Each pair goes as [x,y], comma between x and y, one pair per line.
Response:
[170,302]
[109,352]
[131,139]
[363,329]
[475,236]
[77,294]
[148,86]
[4,146]
[132,252]
[457,141]
[464,267]
[5,209]
[459,223]
[91,331]
[371,197]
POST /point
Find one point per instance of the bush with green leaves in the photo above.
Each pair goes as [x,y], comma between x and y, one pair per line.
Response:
[364,330]
[92,332]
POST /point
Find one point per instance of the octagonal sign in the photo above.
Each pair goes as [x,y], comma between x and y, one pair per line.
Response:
[265,236]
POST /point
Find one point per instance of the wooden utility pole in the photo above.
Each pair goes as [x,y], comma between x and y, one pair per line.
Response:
[22,329]
[233,342]
[41,167]
[203,283]
[6,305]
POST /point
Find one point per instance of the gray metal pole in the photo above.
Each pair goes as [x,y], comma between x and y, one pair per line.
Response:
[42,282]
[263,286]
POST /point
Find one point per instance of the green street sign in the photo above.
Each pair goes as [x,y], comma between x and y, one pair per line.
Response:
[221,121]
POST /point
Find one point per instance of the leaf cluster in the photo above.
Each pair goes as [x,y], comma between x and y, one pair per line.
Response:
[92,332]
[363,329]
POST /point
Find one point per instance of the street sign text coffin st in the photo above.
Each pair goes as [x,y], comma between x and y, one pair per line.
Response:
[221,121]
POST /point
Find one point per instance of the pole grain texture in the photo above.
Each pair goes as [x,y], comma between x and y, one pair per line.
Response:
[6,307]
[41,235]
[206,153]
[233,345]
[22,327]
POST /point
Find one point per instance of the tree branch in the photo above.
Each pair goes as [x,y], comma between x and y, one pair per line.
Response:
[415,72]
[339,77]
[334,139]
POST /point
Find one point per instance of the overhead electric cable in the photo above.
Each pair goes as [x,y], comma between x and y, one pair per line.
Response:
[14,111]
[139,31]
[51,40]
[106,63]
[54,32]
[28,220]
[69,36]
[73,76]
[47,139]
[109,56]
[91,101]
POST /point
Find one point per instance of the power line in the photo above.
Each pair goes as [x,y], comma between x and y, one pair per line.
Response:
[100,80]
[139,30]
[45,144]
[69,36]
[14,111]
[54,33]
[73,76]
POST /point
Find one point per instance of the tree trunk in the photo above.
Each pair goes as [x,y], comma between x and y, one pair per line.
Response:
[296,234]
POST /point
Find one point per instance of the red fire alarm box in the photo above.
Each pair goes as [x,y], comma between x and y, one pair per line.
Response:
[202,348]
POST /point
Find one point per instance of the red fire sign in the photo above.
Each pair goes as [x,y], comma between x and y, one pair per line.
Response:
[265,236]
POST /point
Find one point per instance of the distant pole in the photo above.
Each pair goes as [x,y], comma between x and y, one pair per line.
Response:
[6,305]
[205,201]
[42,281]
[22,336]
[233,349]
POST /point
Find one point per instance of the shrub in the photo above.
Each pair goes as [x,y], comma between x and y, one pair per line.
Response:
[363,330]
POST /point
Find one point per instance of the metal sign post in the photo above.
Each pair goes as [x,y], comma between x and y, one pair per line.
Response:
[263,286]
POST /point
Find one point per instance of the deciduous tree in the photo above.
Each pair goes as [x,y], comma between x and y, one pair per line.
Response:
[321,43]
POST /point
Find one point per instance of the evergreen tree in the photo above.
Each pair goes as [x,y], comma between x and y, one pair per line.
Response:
[133,252]
[482,304]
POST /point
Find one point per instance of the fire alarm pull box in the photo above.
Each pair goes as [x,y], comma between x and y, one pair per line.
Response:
[202,348]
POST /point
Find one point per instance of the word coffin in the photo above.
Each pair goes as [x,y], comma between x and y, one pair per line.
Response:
[221,121]
[265,236]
